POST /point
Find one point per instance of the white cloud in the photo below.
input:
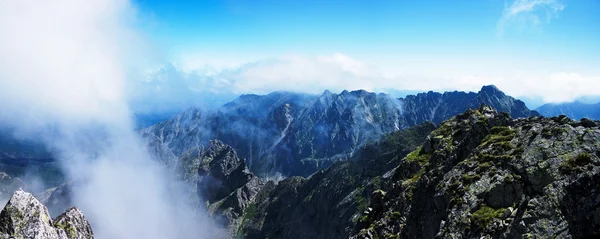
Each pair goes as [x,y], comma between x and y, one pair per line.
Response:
[339,72]
[528,13]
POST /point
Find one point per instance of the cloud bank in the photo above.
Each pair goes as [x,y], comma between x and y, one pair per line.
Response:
[63,81]
[528,13]
[337,72]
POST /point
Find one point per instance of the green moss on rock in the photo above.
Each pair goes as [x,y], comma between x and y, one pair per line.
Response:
[418,156]
[68,228]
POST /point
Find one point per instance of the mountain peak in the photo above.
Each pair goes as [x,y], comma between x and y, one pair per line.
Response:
[360,92]
[490,89]
[326,93]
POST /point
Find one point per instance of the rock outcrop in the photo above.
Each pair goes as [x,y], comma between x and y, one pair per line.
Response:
[483,174]
[25,217]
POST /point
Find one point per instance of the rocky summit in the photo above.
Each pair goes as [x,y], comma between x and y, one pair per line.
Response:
[296,134]
[25,217]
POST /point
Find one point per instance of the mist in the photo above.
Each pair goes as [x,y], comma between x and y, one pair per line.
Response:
[63,74]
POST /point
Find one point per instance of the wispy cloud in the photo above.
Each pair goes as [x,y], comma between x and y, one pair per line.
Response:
[528,13]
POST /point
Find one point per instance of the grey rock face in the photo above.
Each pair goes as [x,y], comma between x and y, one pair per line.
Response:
[74,224]
[25,217]
[296,134]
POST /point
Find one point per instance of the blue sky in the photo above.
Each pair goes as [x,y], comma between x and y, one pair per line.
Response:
[362,27]
[420,45]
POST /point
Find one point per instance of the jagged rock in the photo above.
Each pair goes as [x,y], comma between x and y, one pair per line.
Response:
[74,224]
[25,217]
[224,183]
[588,123]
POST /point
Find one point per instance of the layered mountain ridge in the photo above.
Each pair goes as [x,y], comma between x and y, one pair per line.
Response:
[297,134]
[574,110]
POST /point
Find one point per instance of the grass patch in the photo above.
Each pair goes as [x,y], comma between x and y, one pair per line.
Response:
[485,214]
[418,156]
[577,163]
[410,184]
[470,178]
[484,166]
[250,211]
[500,134]
[361,200]
[552,132]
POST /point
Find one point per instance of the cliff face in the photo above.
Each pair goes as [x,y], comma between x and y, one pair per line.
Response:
[25,217]
[295,134]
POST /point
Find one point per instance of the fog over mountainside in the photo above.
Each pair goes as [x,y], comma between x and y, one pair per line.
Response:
[67,92]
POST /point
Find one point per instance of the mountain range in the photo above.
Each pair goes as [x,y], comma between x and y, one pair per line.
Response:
[355,165]
[297,134]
